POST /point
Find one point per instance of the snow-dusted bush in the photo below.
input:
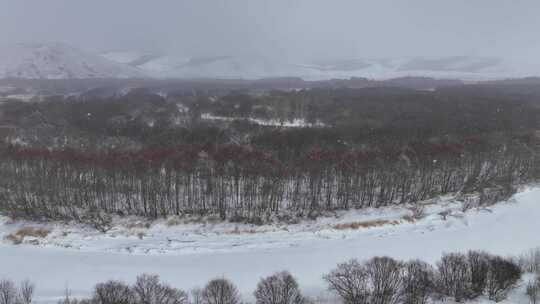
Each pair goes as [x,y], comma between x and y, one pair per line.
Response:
[385,277]
[477,273]
[196,296]
[350,281]
[220,291]
[479,264]
[149,290]
[113,292]
[68,300]
[379,281]
[533,290]
[8,292]
[530,261]
[11,294]
[418,282]
[503,275]
[26,292]
[100,220]
[454,276]
[279,288]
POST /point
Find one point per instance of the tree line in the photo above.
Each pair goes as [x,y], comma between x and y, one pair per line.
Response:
[379,280]
[241,182]
[87,158]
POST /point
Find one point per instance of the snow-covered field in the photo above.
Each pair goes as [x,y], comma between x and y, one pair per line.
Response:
[187,254]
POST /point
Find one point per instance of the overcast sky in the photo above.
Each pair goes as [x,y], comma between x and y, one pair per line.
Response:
[314,29]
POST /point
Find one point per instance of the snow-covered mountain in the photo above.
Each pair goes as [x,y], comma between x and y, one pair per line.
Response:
[59,61]
[176,66]
[254,67]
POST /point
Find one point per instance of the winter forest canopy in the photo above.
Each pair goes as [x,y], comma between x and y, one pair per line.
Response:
[248,155]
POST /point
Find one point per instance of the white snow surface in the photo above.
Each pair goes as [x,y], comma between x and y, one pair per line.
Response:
[187,253]
[59,61]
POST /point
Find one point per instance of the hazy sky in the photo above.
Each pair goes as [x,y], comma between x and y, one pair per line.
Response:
[314,29]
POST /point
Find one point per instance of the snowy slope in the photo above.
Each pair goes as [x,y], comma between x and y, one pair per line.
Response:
[228,67]
[187,255]
[58,61]
[255,67]
[457,67]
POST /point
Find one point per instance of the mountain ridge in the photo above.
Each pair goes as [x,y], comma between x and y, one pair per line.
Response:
[59,61]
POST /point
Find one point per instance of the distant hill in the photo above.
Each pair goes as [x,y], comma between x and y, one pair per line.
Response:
[257,67]
[59,61]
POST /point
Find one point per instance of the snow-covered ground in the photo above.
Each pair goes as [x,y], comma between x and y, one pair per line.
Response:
[187,253]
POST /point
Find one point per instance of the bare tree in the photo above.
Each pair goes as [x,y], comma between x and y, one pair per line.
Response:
[454,276]
[113,292]
[533,290]
[26,292]
[418,282]
[279,288]
[8,292]
[350,281]
[220,291]
[503,275]
[170,295]
[385,276]
[149,290]
[530,261]
[478,267]
[146,288]
[196,296]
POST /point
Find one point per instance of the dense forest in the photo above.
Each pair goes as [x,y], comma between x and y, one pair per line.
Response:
[140,153]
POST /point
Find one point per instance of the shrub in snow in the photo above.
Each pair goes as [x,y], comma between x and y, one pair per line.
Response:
[533,290]
[349,280]
[454,276]
[100,220]
[379,281]
[530,261]
[68,300]
[113,292]
[469,276]
[26,292]
[503,275]
[220,291]
[149,290]
[478,263]
[418,211]
[10,294]
[279,288]
[418,282]
[385,280]
[196,296]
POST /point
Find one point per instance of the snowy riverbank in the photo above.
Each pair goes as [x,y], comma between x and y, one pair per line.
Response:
[187,255]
